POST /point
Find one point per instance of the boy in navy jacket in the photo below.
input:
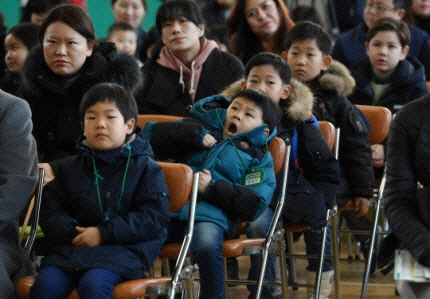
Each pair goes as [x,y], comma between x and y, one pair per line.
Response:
[106,212]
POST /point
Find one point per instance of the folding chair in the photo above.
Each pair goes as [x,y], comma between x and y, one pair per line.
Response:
[329,133]
[237,247]
[380,119]
[182,185]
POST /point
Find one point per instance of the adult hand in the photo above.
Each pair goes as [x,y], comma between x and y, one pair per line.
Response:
[209,141]
[361,206]
[49,173]
[378,155]
[87,237]
[205,179]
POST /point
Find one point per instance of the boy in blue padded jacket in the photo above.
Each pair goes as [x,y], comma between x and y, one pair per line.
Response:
[227,142]
[107,210]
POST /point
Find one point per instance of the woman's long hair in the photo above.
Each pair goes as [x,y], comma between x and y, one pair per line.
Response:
[243,42]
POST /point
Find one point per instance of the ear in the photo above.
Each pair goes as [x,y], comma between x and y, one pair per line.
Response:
[130,126]
[400,13]
[404,53]
[284,55]
[202,30]
[327,59]
[243,84]
[90,49]
[286,91]
[366,45]
[266,131]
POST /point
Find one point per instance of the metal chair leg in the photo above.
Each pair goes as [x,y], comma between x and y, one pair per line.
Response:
[335,251]
[321,259]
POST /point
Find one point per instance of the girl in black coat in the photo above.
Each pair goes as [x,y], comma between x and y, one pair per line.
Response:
[189,67]
[57,74]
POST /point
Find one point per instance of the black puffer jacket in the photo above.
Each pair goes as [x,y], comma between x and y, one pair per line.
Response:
[407,84]
[407,203]
[55,100]
[355,156]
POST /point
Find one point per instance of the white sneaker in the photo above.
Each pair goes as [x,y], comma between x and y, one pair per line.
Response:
[326,284]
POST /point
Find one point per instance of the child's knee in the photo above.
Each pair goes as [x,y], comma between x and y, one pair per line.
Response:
[98,283]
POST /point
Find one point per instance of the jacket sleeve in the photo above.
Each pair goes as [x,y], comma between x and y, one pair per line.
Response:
[56,222]
[246,203]
[355,155]
[400,191]
[174,140]
[149,214]
[18,167]
[319,165]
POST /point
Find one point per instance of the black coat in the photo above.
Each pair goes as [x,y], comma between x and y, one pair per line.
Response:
[162,93]
[136,227]
[355,156]
[55,100]
[408,162]
[407,84]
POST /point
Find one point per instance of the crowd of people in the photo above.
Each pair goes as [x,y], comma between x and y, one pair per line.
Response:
[238,73]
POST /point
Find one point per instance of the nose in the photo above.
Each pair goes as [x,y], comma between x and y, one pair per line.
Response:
[100,123]
[61,49]
[261,14]
[9,55]
[129,11]
[261,87]
[301,60]
[176,27]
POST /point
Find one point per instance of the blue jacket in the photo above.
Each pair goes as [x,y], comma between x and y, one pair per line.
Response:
[226,196]
[132,229]
[407,83]
[349,47]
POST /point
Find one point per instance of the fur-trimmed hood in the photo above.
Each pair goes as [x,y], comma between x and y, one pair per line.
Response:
[301,99]
[338,78]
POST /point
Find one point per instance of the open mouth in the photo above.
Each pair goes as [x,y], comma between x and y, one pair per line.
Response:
[232,129]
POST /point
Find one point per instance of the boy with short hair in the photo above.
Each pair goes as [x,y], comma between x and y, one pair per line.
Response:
[388,77]
[313,177]
[124,37]
[308,48]
[227,143]
[107,210]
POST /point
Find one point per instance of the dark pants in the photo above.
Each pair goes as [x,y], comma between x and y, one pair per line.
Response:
[54,282]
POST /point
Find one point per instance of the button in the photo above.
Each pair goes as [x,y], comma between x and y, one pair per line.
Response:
[51,136]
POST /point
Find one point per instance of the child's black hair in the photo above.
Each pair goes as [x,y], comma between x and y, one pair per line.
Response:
[308,30]
[271,111]
[112,93]
[219,32]
[150,40]
[28,33]
[389,24]
[39,7]
[276,61]
[120,26]
[174,9]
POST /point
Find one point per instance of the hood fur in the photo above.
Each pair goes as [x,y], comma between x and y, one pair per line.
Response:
[301,99]
[338,78]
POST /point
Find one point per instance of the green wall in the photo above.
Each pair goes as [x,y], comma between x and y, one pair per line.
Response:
[99,10]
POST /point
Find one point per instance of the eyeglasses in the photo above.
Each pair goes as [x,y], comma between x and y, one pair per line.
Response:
[378,7]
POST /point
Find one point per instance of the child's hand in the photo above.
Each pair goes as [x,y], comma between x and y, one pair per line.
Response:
[209,141]
[87,237]
[49,173]
[361,206]
[378,155]
[205,179]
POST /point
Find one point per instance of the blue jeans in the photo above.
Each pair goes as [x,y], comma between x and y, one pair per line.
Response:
[258,229]
[206,246]
[313,245]
[55,283]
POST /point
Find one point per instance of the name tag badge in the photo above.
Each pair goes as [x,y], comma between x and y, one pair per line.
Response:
[253,177]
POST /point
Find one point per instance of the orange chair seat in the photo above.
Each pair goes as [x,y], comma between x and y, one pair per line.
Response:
[124,290]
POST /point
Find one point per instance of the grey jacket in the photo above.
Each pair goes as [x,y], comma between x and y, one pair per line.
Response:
[18,175]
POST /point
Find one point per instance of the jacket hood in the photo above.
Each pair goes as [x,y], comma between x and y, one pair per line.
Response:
[337,78]
[106,64]
[213,111]
[134,143]
[301,99]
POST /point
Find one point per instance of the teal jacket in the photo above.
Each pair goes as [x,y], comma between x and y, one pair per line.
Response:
[230,162]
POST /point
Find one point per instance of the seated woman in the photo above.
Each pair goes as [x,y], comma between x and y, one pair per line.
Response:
[258,26]
[57,74]
[407,193]
[189,67]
